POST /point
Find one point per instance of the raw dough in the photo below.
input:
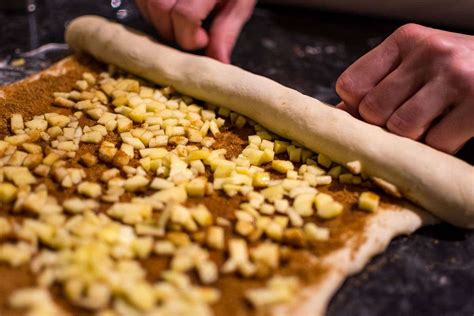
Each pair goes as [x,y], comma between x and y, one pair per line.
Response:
[352,258]
[434,180]
[359,246]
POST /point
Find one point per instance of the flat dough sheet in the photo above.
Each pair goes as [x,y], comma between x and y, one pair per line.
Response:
[440,183]
[358,238]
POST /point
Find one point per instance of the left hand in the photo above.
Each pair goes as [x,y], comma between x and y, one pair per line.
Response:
[418,83]
[180,20]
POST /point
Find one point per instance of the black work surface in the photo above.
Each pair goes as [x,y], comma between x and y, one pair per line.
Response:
[429,273]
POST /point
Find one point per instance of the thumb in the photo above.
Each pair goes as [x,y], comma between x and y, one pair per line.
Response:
[226,28]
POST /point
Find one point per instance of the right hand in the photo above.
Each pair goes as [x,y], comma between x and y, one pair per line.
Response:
[180,20]
[418,83]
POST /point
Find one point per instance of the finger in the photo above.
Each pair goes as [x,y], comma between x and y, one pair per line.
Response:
[415,116]
[226,28]
[344,107]
[381,101]
[371,68]
[357,80]
[159,12]
[187,16]
[142,6]
[454,130]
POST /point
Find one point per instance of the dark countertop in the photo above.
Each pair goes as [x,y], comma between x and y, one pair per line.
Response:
[429,273]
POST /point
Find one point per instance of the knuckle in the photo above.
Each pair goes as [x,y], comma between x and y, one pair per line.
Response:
[181,11]
[345,86]
[161,5]
[410,31]
[461,72]
[370,109]
[404,125]
[438,47]
[193,11]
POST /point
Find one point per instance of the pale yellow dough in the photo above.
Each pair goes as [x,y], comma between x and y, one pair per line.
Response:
[438,182]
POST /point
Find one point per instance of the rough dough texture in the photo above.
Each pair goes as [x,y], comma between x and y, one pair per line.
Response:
[358,237]
[351,259]
[436,181]
[393,218]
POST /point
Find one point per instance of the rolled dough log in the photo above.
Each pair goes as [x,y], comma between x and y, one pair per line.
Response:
[434,180]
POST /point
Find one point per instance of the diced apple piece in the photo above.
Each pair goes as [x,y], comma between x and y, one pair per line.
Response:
[7,192]
[327,208]
[196,187]
[255,140]
[281,146]
[136,183]
[346,178]
[89,189]
[273,193]
[282,166]
[261,179]
[267,156]
[303,204]
[253,155]
[201,215]
[354,166]
[215,237]
[16,122]
[369,201]
[335,172]
[294,153]
[324,160]
[315,233]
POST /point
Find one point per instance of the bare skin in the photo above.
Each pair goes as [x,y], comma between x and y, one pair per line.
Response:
[180,20]
[418,83]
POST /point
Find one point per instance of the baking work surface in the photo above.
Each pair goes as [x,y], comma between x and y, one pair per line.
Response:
[319,265]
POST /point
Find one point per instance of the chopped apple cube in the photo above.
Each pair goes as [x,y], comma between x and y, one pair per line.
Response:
[255,140]
[354,166]
[261,179]
[315,233]
[253,155]
[215,237]
[369,201]
[90,189]
[16,122]
[282,166]
[327,207]
[303,204]
[197,187]
[267,156]
[346,178]
[273,193]
[7,192]
[324,160]
[335,172]
[281,146]
[294,153]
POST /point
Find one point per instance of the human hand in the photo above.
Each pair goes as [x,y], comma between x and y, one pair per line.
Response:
[418,83]
[180,20]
